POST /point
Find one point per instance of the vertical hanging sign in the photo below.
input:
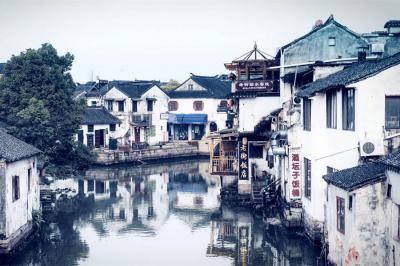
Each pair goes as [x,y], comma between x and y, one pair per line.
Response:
[243,159]
[295,174]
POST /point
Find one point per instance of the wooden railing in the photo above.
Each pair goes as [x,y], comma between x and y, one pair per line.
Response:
[225,166]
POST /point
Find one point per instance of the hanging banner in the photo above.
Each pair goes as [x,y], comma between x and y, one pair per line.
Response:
[243,159]
[295,174]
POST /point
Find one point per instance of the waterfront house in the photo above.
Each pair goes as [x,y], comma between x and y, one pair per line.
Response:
[142,108]
[197,107]
[349,117]
[363,213]
[99,128]
[19,190]
[94,91]
[239,151]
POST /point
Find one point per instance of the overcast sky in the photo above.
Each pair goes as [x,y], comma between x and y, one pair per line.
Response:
[163,39]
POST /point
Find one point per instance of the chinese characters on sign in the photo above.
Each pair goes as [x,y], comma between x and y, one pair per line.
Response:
[295,174]
[243,159]
[266,85]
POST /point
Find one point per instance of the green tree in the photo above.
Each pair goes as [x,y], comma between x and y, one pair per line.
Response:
[170,85]
[36,100]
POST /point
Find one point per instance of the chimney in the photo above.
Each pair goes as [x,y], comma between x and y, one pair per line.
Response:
[318,23]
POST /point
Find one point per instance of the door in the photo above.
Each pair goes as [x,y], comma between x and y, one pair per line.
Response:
[137,134]
[99,138]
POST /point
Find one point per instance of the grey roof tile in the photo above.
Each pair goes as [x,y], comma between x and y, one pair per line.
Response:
[351,74]
[13,149]
[98,116]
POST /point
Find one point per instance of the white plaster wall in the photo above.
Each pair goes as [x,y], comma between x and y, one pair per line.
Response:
[338,148]
[210,105]
[253,109]
[185,86]
[366,237]
[107,133]
[19,212]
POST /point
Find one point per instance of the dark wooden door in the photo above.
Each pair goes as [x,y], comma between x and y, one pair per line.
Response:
[99,138]
[137,134]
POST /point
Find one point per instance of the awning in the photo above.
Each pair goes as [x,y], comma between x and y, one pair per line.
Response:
[187,118]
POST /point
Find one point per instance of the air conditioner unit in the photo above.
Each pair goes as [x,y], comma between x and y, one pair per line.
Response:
[371,147]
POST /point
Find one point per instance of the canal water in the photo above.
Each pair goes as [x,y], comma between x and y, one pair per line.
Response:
[166,214]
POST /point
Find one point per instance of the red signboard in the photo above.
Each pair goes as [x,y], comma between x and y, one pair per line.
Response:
[265,85]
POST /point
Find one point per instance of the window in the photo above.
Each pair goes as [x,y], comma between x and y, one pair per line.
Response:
[112,127]
[348,109]
[15,188]
[190,87]
[90,128]
[110,105]
[198,105]
[94,102]
[332,41]
[255,151]
[89,138]
[392,112]
[121,106]
[307,178]
[350,202]
[389,191]
[340,209]
[307,114]
[80,136]
[150,104]
[173,106]
[223,103]
[90,184]
[134,106]
[331,109]
[29,179]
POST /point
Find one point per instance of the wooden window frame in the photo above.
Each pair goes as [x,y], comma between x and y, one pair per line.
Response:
[340,215]
[173,106]
[16,188]
[110,106]
[134,106]
[113,127]
[195,107]
[90,128]
[331,109]
[150,105]
[307,114]
[121,104]
[29,178]
[349,109]
[391,98]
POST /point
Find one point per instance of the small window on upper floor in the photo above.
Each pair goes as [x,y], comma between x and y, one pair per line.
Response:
[190,87]
[198,105]
[173,106]
[332,41]
[15,188]
[392,112]
[90,128]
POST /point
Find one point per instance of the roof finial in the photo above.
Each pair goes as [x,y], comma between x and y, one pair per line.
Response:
[255,45]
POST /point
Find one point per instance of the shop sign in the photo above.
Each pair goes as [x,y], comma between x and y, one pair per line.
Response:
[243,159]
[295,174]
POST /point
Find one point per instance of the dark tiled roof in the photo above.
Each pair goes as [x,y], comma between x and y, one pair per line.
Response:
[356,177]
[329,21]
[351,74]
[215,88]
[13,149]
[392,23]
[99,116]
[132,89]
[391,160]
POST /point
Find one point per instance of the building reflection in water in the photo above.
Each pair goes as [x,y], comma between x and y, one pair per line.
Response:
[154,206]
[247,241]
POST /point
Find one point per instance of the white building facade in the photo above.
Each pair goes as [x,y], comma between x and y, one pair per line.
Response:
[19,191]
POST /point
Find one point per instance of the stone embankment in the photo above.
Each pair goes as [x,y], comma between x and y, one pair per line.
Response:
[151,153]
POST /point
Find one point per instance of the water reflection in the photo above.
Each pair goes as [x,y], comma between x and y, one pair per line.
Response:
[167,214]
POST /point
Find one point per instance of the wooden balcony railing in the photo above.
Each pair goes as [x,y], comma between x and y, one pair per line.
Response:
[225,166]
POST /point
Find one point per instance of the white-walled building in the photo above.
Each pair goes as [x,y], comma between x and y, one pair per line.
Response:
[362,213]
[348,117]
[98,128]
[19,190]
[142,109]
[197,107]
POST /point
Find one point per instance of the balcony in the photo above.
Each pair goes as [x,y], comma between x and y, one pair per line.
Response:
[224,166]
[143,120]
